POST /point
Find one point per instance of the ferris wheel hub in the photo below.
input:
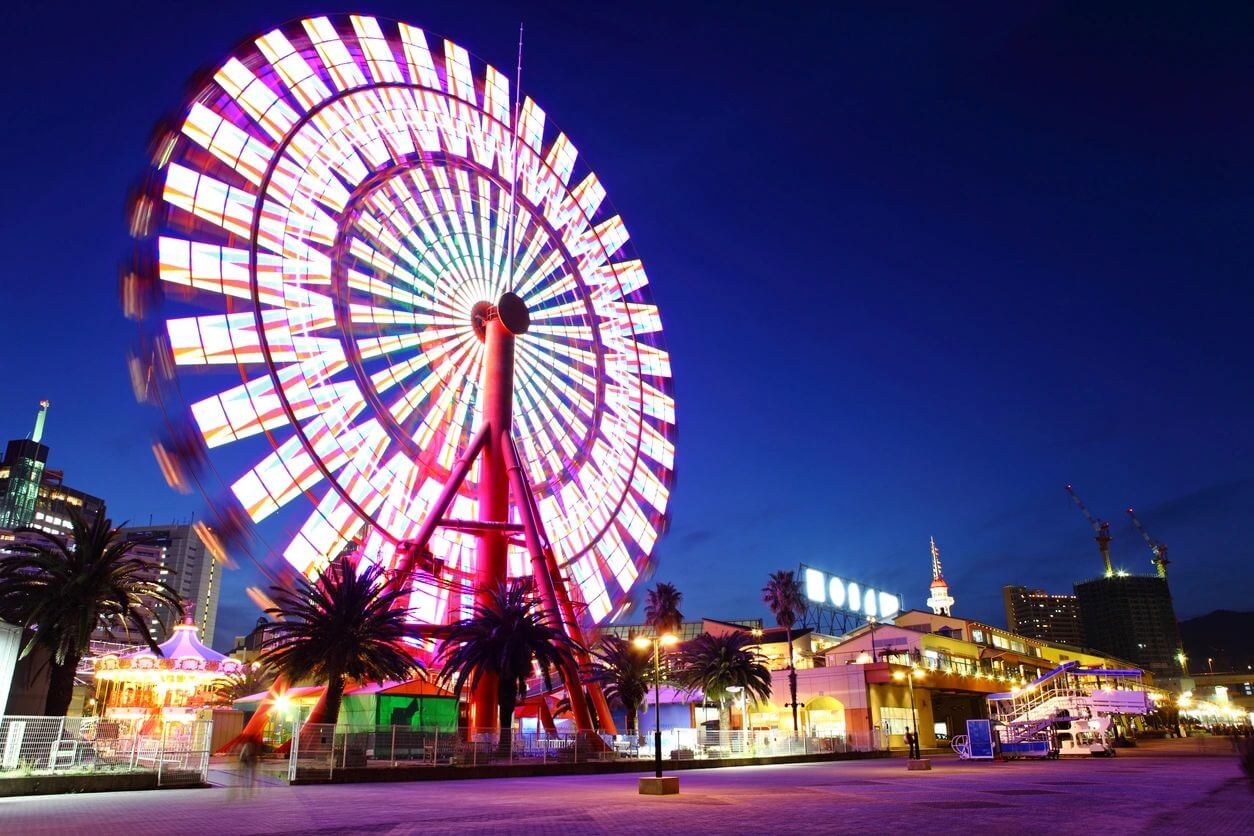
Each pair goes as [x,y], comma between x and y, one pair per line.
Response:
[510,310]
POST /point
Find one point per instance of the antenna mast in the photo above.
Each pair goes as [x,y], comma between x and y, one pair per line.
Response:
[513,185]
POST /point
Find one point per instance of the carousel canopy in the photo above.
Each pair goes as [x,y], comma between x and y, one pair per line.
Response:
[182,655]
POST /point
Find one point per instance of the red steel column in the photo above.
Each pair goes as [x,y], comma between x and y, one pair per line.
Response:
[498,399]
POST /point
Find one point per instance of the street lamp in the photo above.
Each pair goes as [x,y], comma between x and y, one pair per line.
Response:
[870,620]
[1183,660]
[914,712]
[657,643]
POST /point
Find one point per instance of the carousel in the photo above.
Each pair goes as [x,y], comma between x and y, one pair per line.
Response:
[173,686]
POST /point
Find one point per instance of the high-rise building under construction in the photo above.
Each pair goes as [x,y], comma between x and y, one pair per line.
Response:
[1131,617]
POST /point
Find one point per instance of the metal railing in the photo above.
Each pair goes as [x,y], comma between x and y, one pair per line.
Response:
[45,746]
[319,751]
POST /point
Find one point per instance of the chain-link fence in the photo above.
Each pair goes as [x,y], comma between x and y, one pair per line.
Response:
[37,746]
[318,751]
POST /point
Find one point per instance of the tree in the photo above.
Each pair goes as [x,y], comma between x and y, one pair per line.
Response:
[507,636]
[714,663]
[60,590]
[661,611]
[622,670]
[253,679]
[782,594]
[343,625]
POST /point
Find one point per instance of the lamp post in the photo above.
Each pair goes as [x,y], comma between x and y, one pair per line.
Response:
[914,711]
[657,643]
[870,620]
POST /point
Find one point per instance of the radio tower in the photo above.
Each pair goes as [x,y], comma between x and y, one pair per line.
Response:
[941,602]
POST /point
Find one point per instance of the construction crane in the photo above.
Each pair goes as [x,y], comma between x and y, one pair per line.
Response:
[1159,549]
[1100,527]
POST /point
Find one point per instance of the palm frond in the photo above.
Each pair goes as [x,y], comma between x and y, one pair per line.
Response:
[713,663]
[62,589]
[344,623]
[507,636]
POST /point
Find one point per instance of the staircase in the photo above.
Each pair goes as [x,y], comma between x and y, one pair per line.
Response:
[1028,712]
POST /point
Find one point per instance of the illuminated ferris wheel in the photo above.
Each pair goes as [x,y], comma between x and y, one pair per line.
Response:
[421,312]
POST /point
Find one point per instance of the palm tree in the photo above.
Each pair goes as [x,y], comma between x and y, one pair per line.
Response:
[255,678]
[508,637]
[782,594]
[343,625]
[61,590]
[715,663]
[623,673]
[661,611]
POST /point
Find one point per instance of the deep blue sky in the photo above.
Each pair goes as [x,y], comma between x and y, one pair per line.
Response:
[919,269]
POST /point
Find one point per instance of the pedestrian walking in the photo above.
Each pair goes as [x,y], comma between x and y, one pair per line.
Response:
[912,743]
[249,755]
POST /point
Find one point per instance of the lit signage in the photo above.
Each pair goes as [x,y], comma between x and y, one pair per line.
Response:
[843,594]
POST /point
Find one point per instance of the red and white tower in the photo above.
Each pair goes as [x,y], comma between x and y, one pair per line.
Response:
[940,601]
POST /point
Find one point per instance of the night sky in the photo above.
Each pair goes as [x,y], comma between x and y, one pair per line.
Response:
[918,269]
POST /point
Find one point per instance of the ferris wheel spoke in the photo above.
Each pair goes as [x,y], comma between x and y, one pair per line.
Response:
[255,406]
[412,398]
[547,354]
[281,476]
[554,281]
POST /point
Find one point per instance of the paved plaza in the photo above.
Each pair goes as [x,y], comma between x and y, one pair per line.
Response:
[1163,790]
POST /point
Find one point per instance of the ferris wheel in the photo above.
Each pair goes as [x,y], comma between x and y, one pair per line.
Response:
[402,290]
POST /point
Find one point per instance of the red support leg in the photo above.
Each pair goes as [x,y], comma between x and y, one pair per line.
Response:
[540,574]
[561,610]
[455,478]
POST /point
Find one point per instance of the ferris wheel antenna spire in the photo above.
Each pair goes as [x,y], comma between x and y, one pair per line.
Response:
[513,188]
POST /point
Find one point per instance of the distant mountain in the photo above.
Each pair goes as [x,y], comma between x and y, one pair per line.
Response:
[1225,636]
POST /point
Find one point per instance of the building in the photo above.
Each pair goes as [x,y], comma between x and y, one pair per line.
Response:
[32,495]
[187,566]
[1038,614]
[249,648]
[1132,617]
[20,474]
[1230,690]
[687,629]
[856,687]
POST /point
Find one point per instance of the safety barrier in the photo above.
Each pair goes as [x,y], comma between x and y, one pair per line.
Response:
[318,751]
[37,746]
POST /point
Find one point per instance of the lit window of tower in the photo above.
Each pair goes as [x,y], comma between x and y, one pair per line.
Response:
[940,600]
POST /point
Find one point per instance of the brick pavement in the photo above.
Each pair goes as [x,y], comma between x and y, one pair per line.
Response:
[1160,791]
